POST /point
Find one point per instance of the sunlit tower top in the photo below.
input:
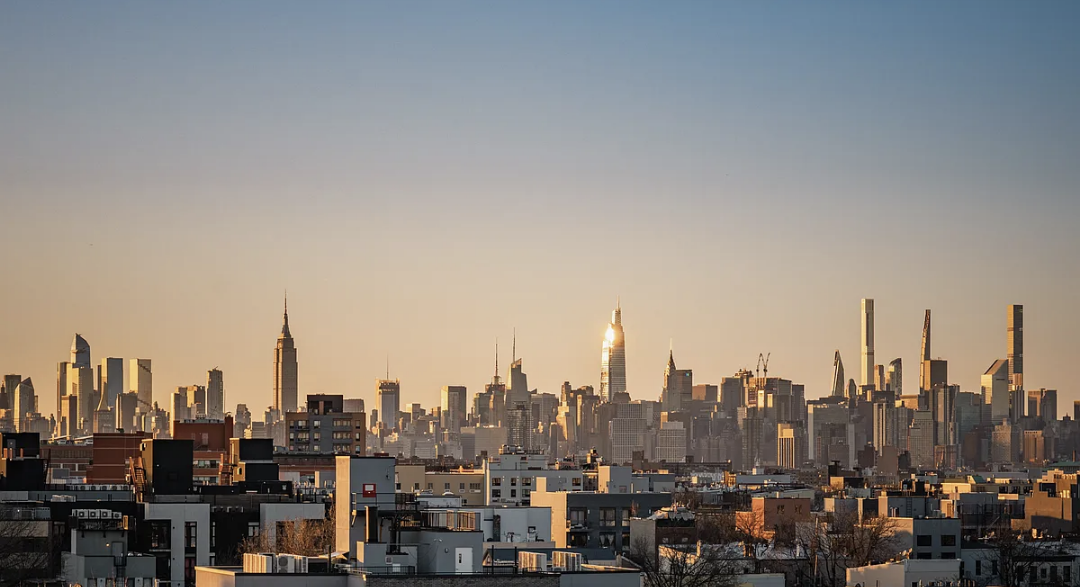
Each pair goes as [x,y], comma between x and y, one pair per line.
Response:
[613,357]
[80,352]
[1015,329]
[285,371]
[867,341]
[839,382]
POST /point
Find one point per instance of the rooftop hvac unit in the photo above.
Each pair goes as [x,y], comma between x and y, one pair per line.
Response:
[117,515]
[532,561]
[566,561]
[81,514]
[285,564]
[92,514]
[302,564]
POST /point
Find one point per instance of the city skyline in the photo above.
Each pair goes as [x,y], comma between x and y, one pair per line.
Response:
[815,389]
[424,181]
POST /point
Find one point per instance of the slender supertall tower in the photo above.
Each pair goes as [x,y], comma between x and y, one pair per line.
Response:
[1015,329]
[285,369]
[613,357]
[924,359]
[867,341]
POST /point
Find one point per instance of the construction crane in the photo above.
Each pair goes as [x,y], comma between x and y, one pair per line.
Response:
[763,364]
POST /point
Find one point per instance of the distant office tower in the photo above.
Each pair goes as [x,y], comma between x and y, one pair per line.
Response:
[879,377]
[10,384]
[80,382]
[354,405]
[1076,411]
[215,394]
[678,386]
[455,407]
[80,352]
[1015,331]
[894,379]
[127,406]
[518,407]
[61,391]
[110,379]
[839,382]
[285,387]
[924,359]
[995,392]
[142,383]
[1042,403]
[23,403]
[388,396]
[180,410]
[104,418]
[613,357]
[867,341]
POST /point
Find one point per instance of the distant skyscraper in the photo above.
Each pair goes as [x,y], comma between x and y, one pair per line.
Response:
[80,352]
[215,394]
[1015,331]
[142,383]
[23,402]
[388,397]
[995,392]
[285,387]
[613,357]
[839,382]
[924,359]
[518,405]
[894,378]
[678,386]
[110,379]
[867,341]
[455,407]
[104,418]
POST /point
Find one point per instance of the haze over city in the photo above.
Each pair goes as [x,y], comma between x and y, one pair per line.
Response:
[424,179]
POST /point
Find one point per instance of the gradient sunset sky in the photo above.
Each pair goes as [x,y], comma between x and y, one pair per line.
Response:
[422,177]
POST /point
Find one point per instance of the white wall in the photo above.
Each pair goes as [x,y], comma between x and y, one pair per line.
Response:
[179,514]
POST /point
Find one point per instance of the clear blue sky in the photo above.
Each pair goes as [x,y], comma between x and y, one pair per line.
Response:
[424,176]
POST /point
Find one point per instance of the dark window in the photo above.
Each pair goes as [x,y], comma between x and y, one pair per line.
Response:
[923,555]
[923,540]
[978,567]
[948,540]
[191,535]
[948,555]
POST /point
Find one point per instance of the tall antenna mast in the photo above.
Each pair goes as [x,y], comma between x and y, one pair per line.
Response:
[514,347]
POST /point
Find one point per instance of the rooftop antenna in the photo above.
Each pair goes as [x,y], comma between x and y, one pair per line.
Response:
[514,347]
[496,356]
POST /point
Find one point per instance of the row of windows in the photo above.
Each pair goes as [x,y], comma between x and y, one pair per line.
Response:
[928,540]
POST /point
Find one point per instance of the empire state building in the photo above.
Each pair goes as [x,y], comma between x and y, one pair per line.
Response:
[613,358]
[285,369]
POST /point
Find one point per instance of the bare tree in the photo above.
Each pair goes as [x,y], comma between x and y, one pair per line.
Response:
[25,549]
[839,542]
[302,537]
[1009,557]
[686,566]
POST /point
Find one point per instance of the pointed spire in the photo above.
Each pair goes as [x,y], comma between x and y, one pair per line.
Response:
[496,357]
[671,354]
[616,316]
[285,324]
[513,348]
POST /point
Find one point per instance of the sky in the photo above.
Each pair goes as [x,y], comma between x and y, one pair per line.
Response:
[424,178]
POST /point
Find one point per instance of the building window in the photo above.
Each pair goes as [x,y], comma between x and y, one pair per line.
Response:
[496,493]
[607,517]
[253,529]
[191,535]
[461,487]
[948,555]
[496,481]
[625,517]
[1066,574]
[978,567]
[948,540]
[923,540]
[607,539]
[513,493]
[577,517]
[513,481]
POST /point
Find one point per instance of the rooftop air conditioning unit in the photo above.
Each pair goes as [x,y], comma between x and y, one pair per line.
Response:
[81,514]
[92,514]
[285,564]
